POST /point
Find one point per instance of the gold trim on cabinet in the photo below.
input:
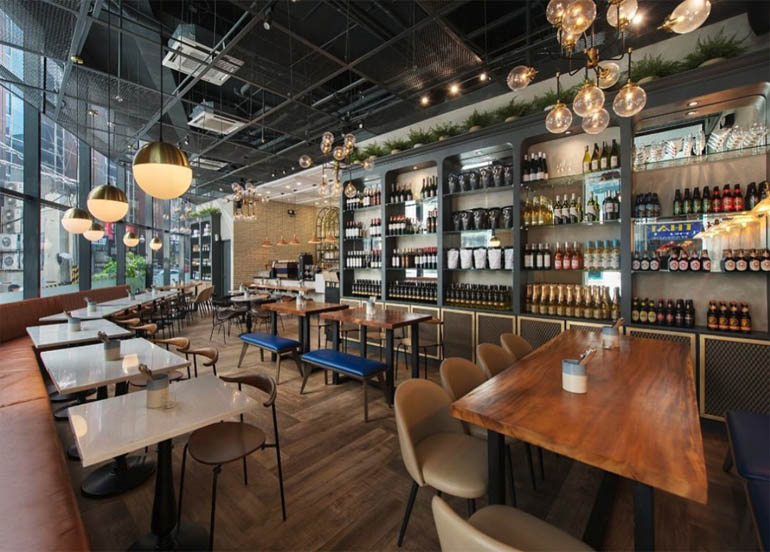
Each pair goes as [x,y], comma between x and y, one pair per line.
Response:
[472,314]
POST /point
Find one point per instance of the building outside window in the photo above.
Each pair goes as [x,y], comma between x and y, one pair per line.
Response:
[11,206]
[103,252]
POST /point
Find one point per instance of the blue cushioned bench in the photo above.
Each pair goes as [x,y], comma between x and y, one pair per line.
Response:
[749,437]
[273,344]
[354,366]
[759,500]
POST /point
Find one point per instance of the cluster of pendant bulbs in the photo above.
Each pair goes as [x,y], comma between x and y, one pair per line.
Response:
[572,18]
[160,169]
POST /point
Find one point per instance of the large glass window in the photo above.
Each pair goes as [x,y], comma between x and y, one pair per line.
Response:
[59,269]
[104,251]
[11,180]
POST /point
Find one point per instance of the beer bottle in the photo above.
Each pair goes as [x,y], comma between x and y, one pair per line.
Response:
[705,261]
[728,262]
[605,308]
[724,317]
[560,302]
[751,196]
[683,262]
[635,310]
[686,202]
[660,313]
[735,323]
[652,315]
[597,303]
[669,313]
[643,311]
[645,264]
[673,261]
[706,201]
[764,264]
[694,262]
[745,318]
[697,202]
[679,314]
[738,202]
[655,261]
[586,161]
[716,201]
[578,300]
[727,200]
[689,314]
[712,316]
[677,203]
[754,262]
[615,309]
[569,305]
[636,262]
[741,261]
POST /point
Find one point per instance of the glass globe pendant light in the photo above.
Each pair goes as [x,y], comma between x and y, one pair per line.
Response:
[156,243]
[305,161]
[687,16]
[130,239]
[559,119]
[554,12]
[94,233]
[75,220]
[596,122]
[621,12]
[589,99]
[338,153]
[631,98]
[578,16]
[327,139]
[368,164]
[520,77]
[609,73]
[161,169]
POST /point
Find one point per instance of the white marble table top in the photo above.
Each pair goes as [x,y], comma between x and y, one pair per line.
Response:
[139,299]
[51,336]
[83,314]
[250,298]
[119,425]
[80,368]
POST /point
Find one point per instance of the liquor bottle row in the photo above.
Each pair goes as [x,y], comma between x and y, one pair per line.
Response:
[728,200]
[608,157]
[728,319]
[667,312]
[425,257]
[429,187]
[494,297]
[425,292]
[364,259]
[539,210]
[681,262]
[368,197]
[745,260]
[375,227]
[400,193]
[399,225]
[598,255]
[534,167]
[353,229]
[431,222]
[608,210]
[368,288]
[573,301]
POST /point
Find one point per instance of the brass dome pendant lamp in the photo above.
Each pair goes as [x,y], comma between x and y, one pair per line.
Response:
[107,202]
[162,169]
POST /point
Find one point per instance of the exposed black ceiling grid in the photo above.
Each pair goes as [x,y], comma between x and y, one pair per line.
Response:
[340,65]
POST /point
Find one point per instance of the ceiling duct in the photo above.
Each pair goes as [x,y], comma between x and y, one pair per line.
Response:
[189,55]
[203,116]
[207,164]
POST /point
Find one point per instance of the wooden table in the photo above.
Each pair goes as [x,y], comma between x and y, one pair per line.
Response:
[639,418]
[119,425]
[303,312]
[82,368]
[383,319]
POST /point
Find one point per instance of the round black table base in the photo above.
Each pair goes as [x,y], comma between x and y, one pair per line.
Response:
[110,480]
[58,397]
[186,536]
[72,453]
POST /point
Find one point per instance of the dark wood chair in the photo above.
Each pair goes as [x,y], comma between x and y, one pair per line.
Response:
[227,442]
[182,344]
[206,352]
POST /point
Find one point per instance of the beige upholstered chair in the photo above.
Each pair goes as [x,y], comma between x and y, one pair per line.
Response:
[435,449]
[498,529]
[516,345]
[493,359]
[460,376]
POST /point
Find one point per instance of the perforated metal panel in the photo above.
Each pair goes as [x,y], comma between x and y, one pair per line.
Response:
[458,333]
[429,333]
[663,335]
[538,331]
[489,327]
[735,374]
[585,326]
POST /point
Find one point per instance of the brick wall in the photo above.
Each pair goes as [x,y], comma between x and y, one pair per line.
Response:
[272,221]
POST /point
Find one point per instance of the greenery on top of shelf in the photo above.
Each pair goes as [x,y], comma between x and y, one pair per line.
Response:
[654,67]
[715,47]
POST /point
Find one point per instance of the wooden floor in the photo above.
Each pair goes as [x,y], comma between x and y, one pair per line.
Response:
[346,486]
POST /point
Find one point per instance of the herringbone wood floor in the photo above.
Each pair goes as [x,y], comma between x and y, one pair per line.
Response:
[346,486]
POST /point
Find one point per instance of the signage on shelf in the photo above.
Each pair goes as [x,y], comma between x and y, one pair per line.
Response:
[674,231]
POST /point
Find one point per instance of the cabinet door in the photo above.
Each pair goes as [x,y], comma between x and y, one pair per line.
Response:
[734,374]
[459,338]
[538,331]
[489,327]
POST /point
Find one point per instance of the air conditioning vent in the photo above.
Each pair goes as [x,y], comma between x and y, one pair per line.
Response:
[207,164]
[9,242]
[203,116]
[190,56]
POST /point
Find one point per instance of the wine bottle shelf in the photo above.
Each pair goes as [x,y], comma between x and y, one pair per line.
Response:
[578,271]
[699,272]
[478,269]
[569,179]
[425,201]
[699,159]
[496,230]
[597,223]
[410,235]
[363,209]
[480,191]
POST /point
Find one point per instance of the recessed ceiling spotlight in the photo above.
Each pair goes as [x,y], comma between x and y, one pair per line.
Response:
[414,168]
[266,24]
[568,132]
[424,100]
[454,89]
[287,186]
[483,76]
[691,113]
[692,103]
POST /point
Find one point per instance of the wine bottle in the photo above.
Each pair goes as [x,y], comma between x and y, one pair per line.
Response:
[587,161]
[595,158]
[614,155]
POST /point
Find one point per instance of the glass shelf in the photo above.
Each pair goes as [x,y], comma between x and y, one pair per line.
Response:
[361,209]
[478,269]
[700,272]
[414,202]
[579,271]
[480,191]
[496,230]
[410,235]
[706,158]
[607,175]
[597,223]
[699,217]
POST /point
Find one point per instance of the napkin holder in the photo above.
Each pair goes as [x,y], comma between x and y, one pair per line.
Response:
[112,350]
[157,391]
[154,292]
[131,296]
[370,306]
[91,307]
[610,338]
[73,324]
[573,376]
[300,300]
